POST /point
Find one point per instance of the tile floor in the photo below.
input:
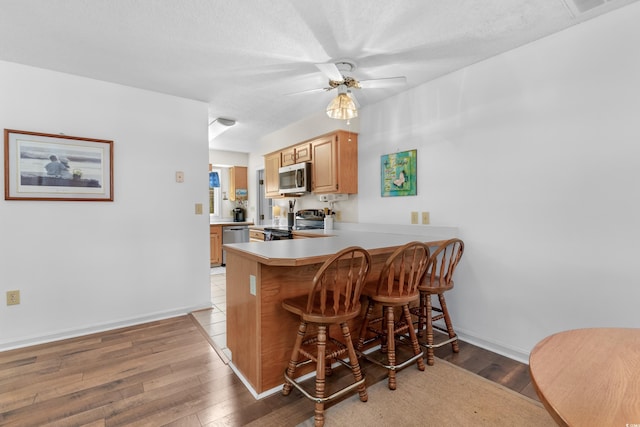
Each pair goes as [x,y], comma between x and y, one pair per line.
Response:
[214,320]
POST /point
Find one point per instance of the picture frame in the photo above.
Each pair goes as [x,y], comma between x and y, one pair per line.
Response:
[42,166]
[399,174]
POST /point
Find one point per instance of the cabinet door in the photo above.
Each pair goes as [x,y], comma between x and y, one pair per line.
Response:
[335,163]
[298,154]
[215,234]
[271,178]
[237,181]
[232,185]
[323,173]
[303,153]
[288,156]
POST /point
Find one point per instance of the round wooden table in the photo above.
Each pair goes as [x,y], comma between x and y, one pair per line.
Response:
[589,377]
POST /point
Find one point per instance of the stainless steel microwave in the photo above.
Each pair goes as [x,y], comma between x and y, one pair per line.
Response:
[295,179]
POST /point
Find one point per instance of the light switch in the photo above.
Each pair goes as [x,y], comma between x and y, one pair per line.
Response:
[198,208]
[414,217]
[179,176]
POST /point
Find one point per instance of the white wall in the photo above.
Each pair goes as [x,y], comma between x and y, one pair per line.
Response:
[535,156]
[228,158]
[87,266]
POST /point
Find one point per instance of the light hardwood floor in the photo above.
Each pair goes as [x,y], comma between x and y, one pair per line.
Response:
[164,373]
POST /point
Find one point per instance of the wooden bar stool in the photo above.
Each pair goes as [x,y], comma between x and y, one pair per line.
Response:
[334,300]
[397,286]
[438,280]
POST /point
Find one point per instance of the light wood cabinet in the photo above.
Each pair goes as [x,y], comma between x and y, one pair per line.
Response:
[297,154]
[271,178]
[297,235]
[215,235]
[335,163]
[237,181]
[256,235]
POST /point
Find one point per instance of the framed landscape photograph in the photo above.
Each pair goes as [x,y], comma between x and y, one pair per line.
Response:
[41,166]
[398,173]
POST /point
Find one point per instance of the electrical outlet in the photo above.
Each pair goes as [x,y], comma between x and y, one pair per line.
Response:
[414,217]
[252,284]
[338,216]
[425,217]
[13,297]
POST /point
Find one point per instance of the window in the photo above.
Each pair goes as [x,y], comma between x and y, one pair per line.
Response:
[214,192]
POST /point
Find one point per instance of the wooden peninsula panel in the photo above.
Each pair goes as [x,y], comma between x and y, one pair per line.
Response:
[243,310]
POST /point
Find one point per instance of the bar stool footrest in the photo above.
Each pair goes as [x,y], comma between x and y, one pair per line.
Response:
[333,396]
[398,367]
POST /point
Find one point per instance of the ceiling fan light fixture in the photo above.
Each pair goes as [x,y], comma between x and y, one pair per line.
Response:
[342,107]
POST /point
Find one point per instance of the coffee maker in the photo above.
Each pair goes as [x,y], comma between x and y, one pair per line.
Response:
[238,215]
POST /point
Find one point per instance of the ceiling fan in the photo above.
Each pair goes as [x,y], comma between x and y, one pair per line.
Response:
[345,105]
[335,72]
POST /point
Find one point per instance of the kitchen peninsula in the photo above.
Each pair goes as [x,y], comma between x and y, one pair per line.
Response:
[260,275]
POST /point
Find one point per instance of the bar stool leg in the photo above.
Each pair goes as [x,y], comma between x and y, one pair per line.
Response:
[353,362]
[415,344]
[422,312]
[385,334]
[391,346]
[447,321]
[365,325]
[295,353]
[320,375]
[428,318]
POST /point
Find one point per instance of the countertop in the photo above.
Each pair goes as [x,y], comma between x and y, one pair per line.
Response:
[295,252]
[230,222]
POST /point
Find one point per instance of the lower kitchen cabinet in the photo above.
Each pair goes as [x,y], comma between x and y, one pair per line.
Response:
[215,233]
[256,235]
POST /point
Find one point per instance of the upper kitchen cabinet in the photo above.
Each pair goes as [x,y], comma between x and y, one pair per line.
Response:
[335,163]
[297,154]
[271,178]
[238,183]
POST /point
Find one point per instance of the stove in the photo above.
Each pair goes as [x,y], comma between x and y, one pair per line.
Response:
[306,219]
[309,219]
[277,233]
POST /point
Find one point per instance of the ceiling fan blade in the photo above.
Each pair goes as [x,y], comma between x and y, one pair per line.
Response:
[380,83]
[303,92]
[331,71]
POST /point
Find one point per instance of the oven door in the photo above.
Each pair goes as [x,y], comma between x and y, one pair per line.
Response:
[277,234]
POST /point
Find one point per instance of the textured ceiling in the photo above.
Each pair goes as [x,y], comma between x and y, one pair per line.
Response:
[245,58]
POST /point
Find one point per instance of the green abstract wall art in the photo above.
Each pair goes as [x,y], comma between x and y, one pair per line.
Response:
[399,174]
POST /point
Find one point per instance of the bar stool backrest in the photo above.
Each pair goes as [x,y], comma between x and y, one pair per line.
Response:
[443,263]
[338,284]
[403,271]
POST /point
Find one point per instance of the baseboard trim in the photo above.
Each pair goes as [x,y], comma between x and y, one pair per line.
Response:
[102,327]
[506,351]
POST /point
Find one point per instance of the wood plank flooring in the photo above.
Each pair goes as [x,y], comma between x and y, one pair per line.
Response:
[163,373]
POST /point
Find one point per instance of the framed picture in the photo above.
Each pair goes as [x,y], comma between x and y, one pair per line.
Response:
[41,166]
[398,173]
